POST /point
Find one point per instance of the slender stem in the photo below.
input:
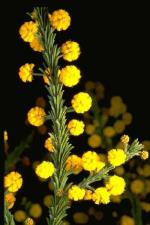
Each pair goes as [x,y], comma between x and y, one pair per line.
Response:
[57,115]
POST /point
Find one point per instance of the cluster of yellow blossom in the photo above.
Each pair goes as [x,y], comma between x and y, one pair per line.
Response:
[74,163]
[81,102]
[94,141]
[91,161]
[115,186]
[26,72]
[13,181]
[116,157]
[70,51]
[36,116]
[76,127]
[45,169]
[48,145]
[10,200]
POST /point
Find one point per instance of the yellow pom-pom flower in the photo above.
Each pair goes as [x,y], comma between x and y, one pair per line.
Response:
[69,76]
[60,20]
[80,218]
[116,157]
[26,72]
[137,186]
[101,195]
[115,185]
[20,216]
[36,45]
[29,221]
[13,181]
[45,169]
[109,131]
[127,118]
[94,141]
[76,193]
[88,195]
[127,220]
[74,163]
[91,161]
[81,102]
[144,155]
[48,145]
[35,210]
[10,200]
[36,116]
[76,127]
[70,50]
[90,129]
[119,126]
[125,139]
[28,30]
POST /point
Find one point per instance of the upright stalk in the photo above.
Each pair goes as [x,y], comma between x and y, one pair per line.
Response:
[57,114]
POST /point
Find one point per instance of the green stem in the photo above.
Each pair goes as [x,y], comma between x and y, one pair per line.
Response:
[57,115]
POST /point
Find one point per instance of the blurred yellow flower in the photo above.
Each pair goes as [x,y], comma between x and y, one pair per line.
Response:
[137,186]
[35,210]
[94,141]
[80,218]
[20,216]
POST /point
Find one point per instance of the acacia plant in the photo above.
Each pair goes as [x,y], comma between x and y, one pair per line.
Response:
[40,33]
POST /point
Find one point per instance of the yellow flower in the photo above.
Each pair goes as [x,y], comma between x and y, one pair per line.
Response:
[119,126]
[48,145]
[146,170]
[60,20]
[70,50]
[115,100]
[91,161]
[47,201]
[13,181]
[119,170]
[101,195]
[127,118]
[28,30]
[76,127]
[81,102]
[145,206]
[26,72]
[88,195]
[109,132]
[125,139]
[74,163]
[36,45]
[76,193]
[10,200]
[20,216]
[144,155]
[115,185]
[35,210]
[137,186]
[36,116]
[127,220]
[94,141]
[45,169]
[116,157]
[70,76]
[89,129]
[80,218]
[29,221]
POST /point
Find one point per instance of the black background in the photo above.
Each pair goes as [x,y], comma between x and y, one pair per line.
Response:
[114,42]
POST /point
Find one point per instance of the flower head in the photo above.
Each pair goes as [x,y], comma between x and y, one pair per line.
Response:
[60,19]
[74,163]
[45,169]
[70,50]
[13,181]
[36,116]
[137,186]
[35,210]
[20,215]
[76,193]
[10,200]
[94,141]
[115,185]
[36,45]
[48,145]
[125,139]
[28,30]
[116,157]
[26,72]
[76,127]
[144,155]
[101,195]
[70,75]
[81,102]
